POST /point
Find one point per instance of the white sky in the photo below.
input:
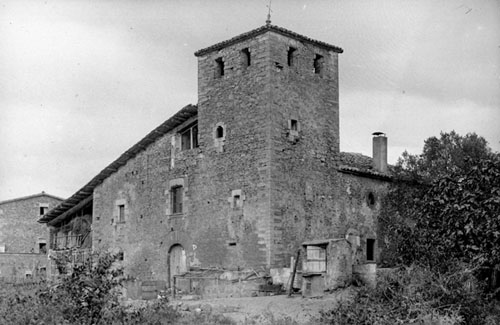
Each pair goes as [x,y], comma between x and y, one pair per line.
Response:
[82,81]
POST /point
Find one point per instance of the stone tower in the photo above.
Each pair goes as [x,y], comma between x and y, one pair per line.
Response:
[268,119]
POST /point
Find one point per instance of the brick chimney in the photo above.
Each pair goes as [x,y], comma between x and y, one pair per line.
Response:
[380,152]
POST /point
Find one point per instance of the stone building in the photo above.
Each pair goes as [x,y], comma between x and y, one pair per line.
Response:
[24,242]
[242,179]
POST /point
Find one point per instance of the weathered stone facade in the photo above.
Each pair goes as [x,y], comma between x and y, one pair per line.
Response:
[241,180]
[19,267]
[24,242]
[19,231]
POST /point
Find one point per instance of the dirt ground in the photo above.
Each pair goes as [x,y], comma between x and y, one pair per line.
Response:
[267,309]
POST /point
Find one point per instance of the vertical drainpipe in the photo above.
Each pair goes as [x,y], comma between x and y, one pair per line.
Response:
[380,152]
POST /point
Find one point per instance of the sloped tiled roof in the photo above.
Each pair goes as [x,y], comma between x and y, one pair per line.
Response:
[32,197]
[365,173]
[180,117]
[262,30]
[355,159]
[358,164]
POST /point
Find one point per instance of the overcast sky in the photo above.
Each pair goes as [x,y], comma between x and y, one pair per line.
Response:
[82,81]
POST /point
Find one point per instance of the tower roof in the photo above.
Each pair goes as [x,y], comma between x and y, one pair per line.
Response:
[262,30]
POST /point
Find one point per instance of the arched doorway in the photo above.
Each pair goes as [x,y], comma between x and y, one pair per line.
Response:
[176,261]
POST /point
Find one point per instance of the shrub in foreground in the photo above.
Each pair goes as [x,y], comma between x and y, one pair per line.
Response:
[90,294]
[415,295]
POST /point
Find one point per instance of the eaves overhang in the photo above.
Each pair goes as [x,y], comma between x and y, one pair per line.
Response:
[365,173]
[67,214]
[177,119]
[262,30]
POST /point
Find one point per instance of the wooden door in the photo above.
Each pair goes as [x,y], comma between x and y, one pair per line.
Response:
[177,262]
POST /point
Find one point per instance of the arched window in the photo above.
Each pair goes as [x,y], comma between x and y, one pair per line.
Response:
[219,136]
[219,132]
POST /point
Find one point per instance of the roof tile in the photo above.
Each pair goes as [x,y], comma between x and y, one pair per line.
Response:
[262,30]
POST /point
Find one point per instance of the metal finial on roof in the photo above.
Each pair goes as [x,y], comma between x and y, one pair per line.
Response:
[268,20]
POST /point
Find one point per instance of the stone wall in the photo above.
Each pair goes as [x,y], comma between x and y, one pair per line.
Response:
[304,168]
[359,205]
[16,267]
[225,219]
[263,179]
[19,230]
[236,236]
[148,230]
[211,289]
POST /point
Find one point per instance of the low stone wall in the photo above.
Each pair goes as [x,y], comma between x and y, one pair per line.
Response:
[144,290]
[16,267]
[215,288]
[366,274]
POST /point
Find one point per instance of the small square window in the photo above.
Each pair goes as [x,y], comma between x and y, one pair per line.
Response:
[186,140]
[315,259]
[176,201]
[237,201]
[245,57]
[370,249]
[219,68]
[189,137]
[42,248]
[318,64]
[121,213]
[293,130]
[43,210]
[370,200]
[291,56]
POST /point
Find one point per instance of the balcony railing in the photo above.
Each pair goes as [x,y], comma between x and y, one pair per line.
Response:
[63,261]
[72,241]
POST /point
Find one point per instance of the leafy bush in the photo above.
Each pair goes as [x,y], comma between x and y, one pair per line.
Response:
[415,295]
[90,294]
[442,213]
[90,291]
[444,206]
[22,304]
[396,224]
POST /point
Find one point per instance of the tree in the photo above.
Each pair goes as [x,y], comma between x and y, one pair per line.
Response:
[459,215]
[448,206]
[442,156]
[441,216]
